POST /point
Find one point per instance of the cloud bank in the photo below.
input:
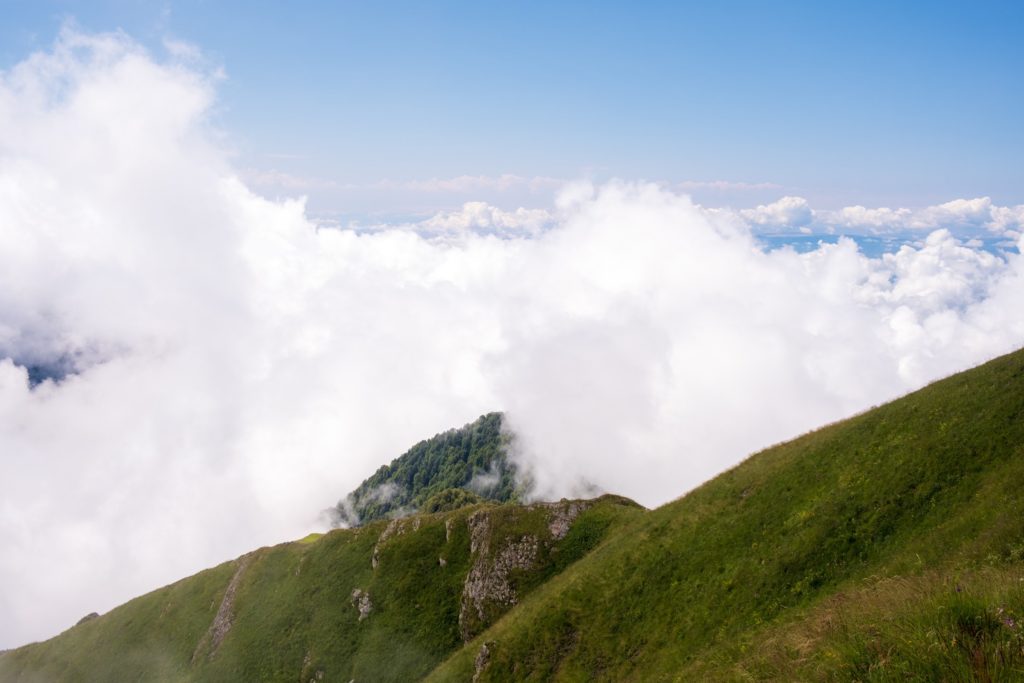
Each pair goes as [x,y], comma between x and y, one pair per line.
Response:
[191,370]
[968,217]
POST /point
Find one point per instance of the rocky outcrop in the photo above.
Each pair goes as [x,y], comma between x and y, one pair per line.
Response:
[563,514]
[487,584]
[489,589]
[483,658]
[361,601]
[225,614]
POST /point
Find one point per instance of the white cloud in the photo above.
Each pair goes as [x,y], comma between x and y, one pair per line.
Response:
[863,217]
[183,50]
[483,218]
[966,217]
[238,369]
[792,212]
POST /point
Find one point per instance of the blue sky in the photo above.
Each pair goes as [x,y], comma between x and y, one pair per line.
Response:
[841,103]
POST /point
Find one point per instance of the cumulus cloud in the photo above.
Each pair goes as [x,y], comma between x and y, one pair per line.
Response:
[221,369]
[792,212]
[967,217]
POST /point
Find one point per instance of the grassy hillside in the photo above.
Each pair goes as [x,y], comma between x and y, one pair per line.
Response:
[472,457]
[384,602]
[885,547]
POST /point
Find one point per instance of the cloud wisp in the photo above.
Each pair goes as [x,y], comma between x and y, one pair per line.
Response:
[220,369]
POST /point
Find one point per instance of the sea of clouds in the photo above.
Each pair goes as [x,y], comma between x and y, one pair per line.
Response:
[222,368]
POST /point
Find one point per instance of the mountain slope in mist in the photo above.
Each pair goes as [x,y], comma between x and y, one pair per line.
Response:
[384,602]
[889,546]
[472,457]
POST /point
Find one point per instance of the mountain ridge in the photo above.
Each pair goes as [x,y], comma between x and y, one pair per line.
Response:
[888,546]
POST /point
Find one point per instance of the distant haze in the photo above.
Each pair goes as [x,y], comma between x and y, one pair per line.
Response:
[191,369]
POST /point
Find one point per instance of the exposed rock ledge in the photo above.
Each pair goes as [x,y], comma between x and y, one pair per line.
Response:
[225,613]
[488,584]
[361,601]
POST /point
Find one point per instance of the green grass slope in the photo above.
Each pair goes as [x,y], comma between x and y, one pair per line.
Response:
[885,547]
[472,456]
[384,602]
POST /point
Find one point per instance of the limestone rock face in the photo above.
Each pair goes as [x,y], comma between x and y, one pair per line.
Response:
[361,601]
[488,582]
[489,588]
[563,514]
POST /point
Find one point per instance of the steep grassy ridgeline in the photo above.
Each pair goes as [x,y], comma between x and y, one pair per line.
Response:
[889,546]
[384,602]
[472,457]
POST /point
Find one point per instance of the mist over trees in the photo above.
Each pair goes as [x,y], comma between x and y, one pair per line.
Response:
[472,458]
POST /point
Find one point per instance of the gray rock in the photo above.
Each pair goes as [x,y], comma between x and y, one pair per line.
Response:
[483,658]
[225,616]
[361,601]
[489,578]
[88,617]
